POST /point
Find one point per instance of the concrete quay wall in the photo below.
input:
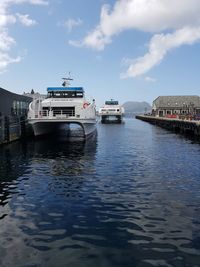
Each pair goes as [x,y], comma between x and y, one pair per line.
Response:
[13,128]
[177,125]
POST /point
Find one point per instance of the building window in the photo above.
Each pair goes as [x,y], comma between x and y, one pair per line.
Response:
[14,108]
[19,108]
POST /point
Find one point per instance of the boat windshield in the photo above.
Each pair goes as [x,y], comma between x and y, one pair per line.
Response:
[111,102]
[64,94]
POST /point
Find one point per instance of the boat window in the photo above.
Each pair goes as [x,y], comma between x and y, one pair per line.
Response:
[111,102]
[64,94]
[79,94]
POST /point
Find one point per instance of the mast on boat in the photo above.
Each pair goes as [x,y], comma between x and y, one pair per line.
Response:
[66,81]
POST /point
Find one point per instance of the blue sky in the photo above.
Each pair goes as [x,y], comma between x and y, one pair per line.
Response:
[129,50]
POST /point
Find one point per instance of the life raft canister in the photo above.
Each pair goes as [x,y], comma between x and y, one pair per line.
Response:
[86,104]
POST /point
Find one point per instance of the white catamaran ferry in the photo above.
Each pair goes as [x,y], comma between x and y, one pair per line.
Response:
[111,112]
[62,107]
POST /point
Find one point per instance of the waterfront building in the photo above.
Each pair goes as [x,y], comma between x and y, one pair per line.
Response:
[12,104]
[176,105]
[35,95]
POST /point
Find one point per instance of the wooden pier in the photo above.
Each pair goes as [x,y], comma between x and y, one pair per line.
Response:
[190,127]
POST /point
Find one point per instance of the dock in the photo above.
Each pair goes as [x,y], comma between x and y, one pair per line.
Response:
[13,128]
[190,127]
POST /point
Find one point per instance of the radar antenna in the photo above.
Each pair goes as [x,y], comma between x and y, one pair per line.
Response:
[66,81]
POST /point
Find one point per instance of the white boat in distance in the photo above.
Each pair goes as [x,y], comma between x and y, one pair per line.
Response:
[111,112]
[62,107]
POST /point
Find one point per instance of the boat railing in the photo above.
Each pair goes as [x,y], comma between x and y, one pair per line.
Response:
[54,114]
[110,112]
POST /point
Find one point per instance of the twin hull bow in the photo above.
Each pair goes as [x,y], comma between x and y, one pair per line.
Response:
[44,127]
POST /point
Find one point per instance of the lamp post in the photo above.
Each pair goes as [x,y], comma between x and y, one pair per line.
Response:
[191,108]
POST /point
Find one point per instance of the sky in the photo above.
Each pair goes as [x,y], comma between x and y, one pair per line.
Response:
[128,50]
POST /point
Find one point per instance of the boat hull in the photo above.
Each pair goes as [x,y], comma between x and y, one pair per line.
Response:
[46,127]
[111,118]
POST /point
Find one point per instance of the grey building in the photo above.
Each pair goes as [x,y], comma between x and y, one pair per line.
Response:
[176,105]
[12,104]
[35,95]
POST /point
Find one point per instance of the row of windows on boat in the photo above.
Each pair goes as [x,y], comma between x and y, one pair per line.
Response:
[103,109]
[112,102]
[69,94]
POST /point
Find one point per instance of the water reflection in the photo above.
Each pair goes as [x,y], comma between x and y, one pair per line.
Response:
[40,181]
[110,201]
[13,158]
[13,164]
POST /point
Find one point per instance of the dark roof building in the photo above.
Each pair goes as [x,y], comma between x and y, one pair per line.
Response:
[12,104]
[169,105]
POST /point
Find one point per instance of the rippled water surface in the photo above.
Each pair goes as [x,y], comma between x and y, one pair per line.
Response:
[129,197]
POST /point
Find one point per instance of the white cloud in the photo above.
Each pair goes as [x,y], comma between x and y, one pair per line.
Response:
[75,43]
[6,41]
[16,2]
[144,15]
[25,20]
[6,60]
[94,40]
[71,23]
[149,79]
[159,45]
[38,2]
[6,19]
[177,17]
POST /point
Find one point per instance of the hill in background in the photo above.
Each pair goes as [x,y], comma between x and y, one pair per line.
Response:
[132,107]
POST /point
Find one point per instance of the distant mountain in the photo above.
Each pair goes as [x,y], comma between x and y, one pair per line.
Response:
[132,107]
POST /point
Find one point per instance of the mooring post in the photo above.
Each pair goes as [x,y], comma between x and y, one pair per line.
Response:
[6,129]
[22,126]
[1,130]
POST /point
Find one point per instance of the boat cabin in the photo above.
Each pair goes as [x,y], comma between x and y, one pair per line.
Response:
[65,92]
[111,102]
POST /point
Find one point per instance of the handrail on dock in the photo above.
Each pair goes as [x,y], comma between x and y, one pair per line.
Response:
[191,127]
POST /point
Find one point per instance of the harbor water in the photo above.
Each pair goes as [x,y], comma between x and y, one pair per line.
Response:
[129,196]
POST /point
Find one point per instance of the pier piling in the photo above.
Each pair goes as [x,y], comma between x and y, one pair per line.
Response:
[189,127]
